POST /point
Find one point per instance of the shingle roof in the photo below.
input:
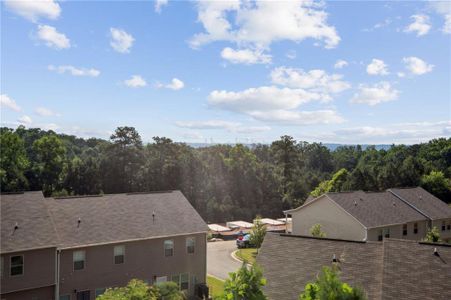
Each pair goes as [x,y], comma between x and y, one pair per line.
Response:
[427,203]
[35,228]
[376,209]
[103,219]
[122,217]
[392,269]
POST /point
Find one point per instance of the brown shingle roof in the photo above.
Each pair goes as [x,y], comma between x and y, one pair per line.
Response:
[393,269]
[45,222]
[35,228]
[427,203]
[374,209]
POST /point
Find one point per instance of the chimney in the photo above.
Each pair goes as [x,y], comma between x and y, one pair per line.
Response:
[78,222]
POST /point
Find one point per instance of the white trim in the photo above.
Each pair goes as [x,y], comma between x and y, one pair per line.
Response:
[23,266]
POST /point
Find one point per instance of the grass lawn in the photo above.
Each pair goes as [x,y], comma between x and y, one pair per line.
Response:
[216,286]
[247,254]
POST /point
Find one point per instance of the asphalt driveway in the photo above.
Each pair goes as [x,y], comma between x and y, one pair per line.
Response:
[219,261]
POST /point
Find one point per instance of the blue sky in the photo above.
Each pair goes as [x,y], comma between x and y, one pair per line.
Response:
[339,71]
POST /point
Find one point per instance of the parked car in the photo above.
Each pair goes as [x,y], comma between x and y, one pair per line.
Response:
[243,241]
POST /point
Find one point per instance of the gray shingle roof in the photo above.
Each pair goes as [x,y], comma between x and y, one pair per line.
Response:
[427,203]
[376,209]
[103,219]
[35,228]
[392,269]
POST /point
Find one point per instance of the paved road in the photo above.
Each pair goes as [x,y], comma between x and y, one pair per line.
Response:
[219,261]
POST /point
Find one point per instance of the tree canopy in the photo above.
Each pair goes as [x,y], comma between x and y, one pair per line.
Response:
[245,284]
[223,182]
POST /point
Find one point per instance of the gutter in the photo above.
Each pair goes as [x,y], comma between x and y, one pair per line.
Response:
[57,274]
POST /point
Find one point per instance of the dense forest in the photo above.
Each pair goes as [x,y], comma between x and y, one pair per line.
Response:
[223,182]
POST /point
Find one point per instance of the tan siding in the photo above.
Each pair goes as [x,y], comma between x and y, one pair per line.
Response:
[143,260]
[45,293]
[446,234]
[335,222]
[39,270]
[396,231]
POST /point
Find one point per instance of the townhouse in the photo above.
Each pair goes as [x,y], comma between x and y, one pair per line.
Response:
[77,247]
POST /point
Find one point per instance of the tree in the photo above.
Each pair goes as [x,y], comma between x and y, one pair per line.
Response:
[245,284]
[433,235]
[13,162]
[50,153]
[316,231]
[336,184]
[329,286]
[135,290]
[169,291]
[258,233]
[437,184]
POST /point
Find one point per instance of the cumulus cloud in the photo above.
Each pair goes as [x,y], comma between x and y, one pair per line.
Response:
[52,37]
[339,64]
[292,117]
[175,84]
[235,127]
[8,102]
[121,41]
[25,120]
[288,20]
[375,94]
[159,4]
[34,10]
[74,71]
[421,25]
[245,56]
[417,66]
[317,81]
[135,82]
[377,67]
[45,112]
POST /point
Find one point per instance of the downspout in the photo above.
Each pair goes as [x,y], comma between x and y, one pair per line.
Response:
[286,223]
[57,274]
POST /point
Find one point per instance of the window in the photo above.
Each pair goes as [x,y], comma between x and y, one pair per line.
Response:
[184,281]
[100,291]
[379,236]
[79,260]
[415,228]
[449,226]
[119,253]
[168,248]
[84,295]
[443,226]
[387,232]
[65,297]
[161,279]
[176,279]
[16,265]
[404,229]
[190,244]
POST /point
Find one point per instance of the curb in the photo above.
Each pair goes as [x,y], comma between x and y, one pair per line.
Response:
[216,277]
[233,255]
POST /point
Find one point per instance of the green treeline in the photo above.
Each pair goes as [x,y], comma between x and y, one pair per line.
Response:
[223,182]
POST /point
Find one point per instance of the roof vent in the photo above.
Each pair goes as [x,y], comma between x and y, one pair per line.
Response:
[436,252]
[16,226]
[78,222]
[361,199]
[355,203]
[153,216]
[393,203]
[334,258]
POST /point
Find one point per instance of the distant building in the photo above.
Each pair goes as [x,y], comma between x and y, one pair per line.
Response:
[76,247]
[392,269]
[405,213]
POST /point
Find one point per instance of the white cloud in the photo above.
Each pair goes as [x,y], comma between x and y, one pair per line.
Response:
[259,23]
[6,101]
[222,125]
[175,84]
[375,94]
[377,67]
[159,4]
[52,37]
[33,10]
[74,71]
[245,56]
[421,25]
[121,41]
[340,64]
[45,112]
[290,117]
[417,66]
[25,120]
[317,81]
[135,82]
[291,54]
[443,8]
[415,132]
